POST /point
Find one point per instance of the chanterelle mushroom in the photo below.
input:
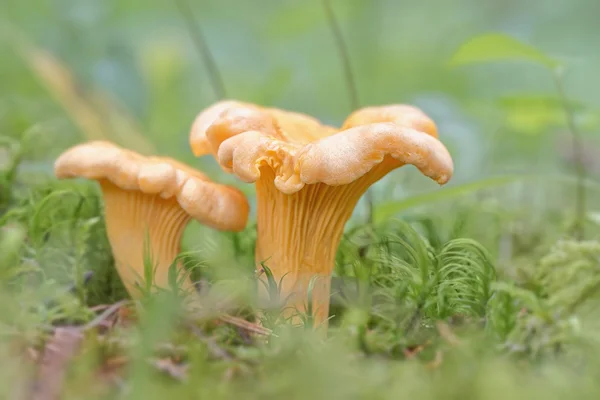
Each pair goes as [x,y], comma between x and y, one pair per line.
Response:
[150,198]
[309,178]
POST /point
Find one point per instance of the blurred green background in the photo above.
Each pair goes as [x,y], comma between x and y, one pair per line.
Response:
[128,71]
[496,119]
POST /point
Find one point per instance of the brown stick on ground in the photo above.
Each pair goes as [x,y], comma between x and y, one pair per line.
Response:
[52,370]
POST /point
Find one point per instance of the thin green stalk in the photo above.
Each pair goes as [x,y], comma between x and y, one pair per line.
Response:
[580,171]
[350,81]
[216,80]
[344,54]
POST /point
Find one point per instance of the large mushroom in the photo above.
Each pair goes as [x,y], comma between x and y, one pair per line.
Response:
[148,203]
[309,178]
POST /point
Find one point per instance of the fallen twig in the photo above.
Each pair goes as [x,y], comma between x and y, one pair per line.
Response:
[249,326]
[166,365]
[437,361]
[58,352]
[105,315]
[447,334]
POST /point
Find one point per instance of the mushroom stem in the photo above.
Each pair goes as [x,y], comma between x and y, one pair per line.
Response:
[135,220]
[298,236]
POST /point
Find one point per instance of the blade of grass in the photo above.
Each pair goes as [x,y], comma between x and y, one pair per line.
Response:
[387,210]
[95,113]
[353,97]
[580,195]
[122,125]
[60,83]
[344,54]
[215,77]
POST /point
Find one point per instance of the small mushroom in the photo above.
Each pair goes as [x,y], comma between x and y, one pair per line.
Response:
[148,202]
[309,178]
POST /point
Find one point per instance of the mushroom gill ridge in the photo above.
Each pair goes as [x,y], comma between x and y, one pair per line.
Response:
[299,234]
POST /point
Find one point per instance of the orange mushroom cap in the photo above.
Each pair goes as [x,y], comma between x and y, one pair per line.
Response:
[218,206]
[246,137]
[229,118]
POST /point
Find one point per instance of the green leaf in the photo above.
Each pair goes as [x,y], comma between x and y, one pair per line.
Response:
[533,114]
[594,217]
[499,47]
[537,100]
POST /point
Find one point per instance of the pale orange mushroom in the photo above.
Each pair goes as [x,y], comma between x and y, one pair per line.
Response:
[148,202]
[310,177]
